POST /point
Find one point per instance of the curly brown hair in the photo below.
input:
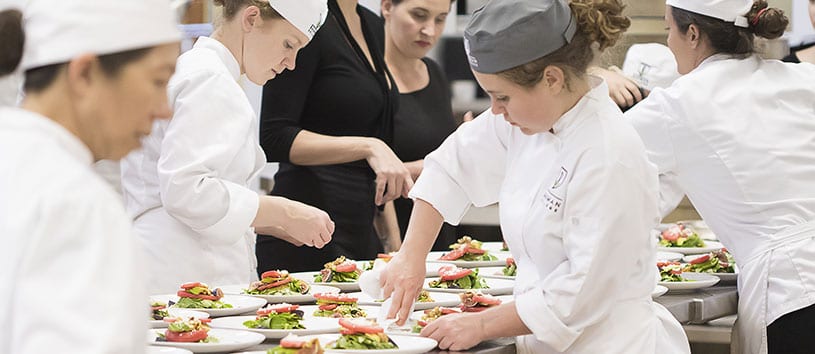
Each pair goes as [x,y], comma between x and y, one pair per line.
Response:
[598,21]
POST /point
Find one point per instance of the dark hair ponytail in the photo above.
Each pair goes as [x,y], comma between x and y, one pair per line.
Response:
[12,38]
[767,22]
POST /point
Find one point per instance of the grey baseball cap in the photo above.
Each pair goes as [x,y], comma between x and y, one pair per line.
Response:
[504,34]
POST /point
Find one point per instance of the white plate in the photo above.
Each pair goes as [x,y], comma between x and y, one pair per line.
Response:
[314,325]
[308,311]
[292,299]
[240,304]
[710,246]
[494,272]
[441,299]
[658,291]
[309,278]
[406,344]
[699,281]
[669,256]
[496,287]
[433,257]
[166,350]
[493,246]
[228,341]
[174,312]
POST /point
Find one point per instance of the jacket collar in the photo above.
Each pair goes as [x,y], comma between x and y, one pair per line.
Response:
[62,137]
[570,120]
[223,53]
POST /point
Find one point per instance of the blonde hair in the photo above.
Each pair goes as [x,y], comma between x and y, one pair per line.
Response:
[232,7]
[598,21]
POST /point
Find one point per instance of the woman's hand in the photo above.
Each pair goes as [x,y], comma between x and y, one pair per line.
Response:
[624,91]
[456,332]
[294,222]
[392,177]
[402,281]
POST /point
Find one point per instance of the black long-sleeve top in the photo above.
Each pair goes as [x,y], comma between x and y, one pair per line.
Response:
[333,90]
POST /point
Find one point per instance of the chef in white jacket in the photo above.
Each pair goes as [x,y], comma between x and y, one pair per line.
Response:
[96,75]
[737,135]
[189,188]
[577,193]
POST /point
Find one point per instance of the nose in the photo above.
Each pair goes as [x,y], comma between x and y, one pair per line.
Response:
[495,107]
[163,110]
[289,61]
[428,29]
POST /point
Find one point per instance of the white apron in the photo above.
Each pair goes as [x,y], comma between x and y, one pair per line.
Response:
[756,310]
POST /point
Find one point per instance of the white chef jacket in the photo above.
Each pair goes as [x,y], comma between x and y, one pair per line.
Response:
[738,136]
[70,273]
[576,210]
[188,188]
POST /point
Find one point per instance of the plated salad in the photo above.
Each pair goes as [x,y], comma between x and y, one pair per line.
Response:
[188,330]
[280,316]
[383,256]
[198,296]
[475,301]
[719,261]
[158,310]
[671,272]
[338,271]
[452,277]
[510,269]
[431,315]
[338,306]
[680,235]
[467,249]
[277,282]
[293,344]
[361,334]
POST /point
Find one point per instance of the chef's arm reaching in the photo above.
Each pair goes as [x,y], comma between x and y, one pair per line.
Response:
[387,228]
[622,89]
[404,276]
[292,221]
[392,177]
[475,327]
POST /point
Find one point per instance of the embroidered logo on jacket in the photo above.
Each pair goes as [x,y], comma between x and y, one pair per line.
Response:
[553,201]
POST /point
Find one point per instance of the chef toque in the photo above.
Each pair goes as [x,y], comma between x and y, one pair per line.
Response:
[306,15]
[504,34]
[726,10]
[651,65]
[59,30]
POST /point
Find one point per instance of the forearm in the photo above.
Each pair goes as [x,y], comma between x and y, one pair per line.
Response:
[387,228]
[502,321]
[310,149]
[415,168]
[424,226]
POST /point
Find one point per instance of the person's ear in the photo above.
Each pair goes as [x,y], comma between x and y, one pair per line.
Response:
[694,36]
[387,7]
[82,72]
[248,18]
[554,78]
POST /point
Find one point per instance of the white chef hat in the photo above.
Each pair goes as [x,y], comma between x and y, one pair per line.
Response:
[59,30]
[306,15]
[726,10]
[651,65]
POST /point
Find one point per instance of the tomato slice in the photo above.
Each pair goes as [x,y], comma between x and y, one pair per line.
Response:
[327,307]
[487,300]
[275,274]
[346,267]
[182,293]
[453,273]
[275,284]
[335,297]
[454,254]
[279,308]
[359,327]
[292,341]
[191,336]
[188,286]
[510,261]
[701,259]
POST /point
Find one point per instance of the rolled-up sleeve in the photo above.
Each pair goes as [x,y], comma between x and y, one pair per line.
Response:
[609,209]
[467,169]
[209,130]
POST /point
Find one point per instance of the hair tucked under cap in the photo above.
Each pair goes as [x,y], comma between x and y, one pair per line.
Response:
[306,15]
[58,31]
[726,10]
[504,34]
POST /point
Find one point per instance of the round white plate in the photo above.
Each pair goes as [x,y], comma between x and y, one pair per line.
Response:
[493,247]
[309,278]
[710,246]
[174,312]
[441,299]
[699,281]
[433,257]
[228,341]
[668,256]
[658,291]
[166,350]
[406,344]
[496,287]
[494,272]
[308,311]
[292,299]
[240,304]
[314,325]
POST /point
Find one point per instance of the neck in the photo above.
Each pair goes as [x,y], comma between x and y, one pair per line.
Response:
[56,104]
[230,34]
[398,63]
[348,7]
